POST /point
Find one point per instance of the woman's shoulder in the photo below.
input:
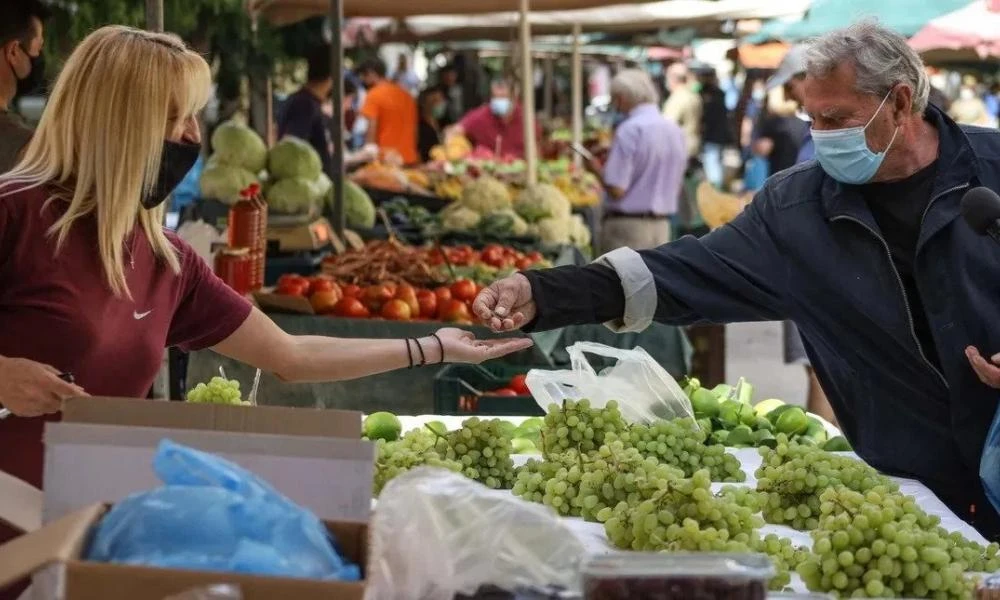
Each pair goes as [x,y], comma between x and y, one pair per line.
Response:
[21,200]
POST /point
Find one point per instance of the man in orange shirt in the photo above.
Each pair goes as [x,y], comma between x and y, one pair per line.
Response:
[391,113]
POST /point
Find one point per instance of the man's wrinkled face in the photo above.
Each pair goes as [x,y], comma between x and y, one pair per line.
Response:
[834,103]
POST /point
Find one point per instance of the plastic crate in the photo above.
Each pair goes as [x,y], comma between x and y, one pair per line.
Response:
[456,385]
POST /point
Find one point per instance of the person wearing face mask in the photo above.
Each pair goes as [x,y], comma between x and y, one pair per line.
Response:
[497,125]
[433,110]
[22,71]
[863,248]
[91,283]
[645,168]
[683,106]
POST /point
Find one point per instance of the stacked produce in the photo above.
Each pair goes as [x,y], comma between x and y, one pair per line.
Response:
[297,184]
[382,262]
[239,160]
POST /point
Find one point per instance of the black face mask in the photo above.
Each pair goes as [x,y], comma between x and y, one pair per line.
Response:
[178,160]
[36,78]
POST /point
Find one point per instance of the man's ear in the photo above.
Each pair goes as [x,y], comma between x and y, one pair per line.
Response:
[902,103]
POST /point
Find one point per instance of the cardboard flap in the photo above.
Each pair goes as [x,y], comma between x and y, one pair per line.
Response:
[57,542]
[22,504]
[278,420]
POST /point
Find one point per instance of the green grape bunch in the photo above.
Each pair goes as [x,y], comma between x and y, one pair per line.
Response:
[683,444]
[581,485]
[578,426]
[880,544]
[483,449]
[415,449]
[792,476]
[217,391]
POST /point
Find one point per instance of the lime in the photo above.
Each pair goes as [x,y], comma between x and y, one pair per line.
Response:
[764,407]
[837,444]
[764,437]
[704,403]
[792,421]
[762,424]
[382,426]
[774,414]
[816,430]
[740,436]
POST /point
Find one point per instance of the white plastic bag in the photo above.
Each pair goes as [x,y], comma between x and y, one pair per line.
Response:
[436,534]
[643,389]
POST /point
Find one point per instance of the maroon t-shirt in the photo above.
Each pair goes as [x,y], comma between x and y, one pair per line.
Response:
[482,128]
[58,309]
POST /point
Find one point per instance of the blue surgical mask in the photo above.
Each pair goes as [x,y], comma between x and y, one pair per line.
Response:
[844,153]
[500,106]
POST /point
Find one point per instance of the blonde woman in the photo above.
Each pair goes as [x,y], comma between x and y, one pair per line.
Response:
[90,284]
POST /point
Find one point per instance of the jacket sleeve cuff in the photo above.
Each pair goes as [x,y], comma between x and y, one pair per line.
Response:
[638,286]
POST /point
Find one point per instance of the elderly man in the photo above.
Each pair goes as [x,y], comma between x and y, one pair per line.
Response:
[645,168]
[683,106]
[865,250]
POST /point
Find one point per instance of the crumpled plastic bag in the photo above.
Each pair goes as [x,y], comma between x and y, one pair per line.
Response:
[643,389]
[213,515]
[436,534]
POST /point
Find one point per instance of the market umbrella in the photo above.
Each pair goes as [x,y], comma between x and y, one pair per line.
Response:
[903,16]
[283,12]
[972,32]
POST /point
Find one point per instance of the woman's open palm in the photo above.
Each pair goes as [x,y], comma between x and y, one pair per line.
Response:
[462,346]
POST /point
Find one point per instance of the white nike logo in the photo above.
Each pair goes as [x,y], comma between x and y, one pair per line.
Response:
[138,316]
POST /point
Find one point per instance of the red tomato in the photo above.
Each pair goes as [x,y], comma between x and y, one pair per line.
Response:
[517,383]
[293,288]
[392,287]
[351,291]
[524,264]
[454,311]
[503,392]
[317,284]
[464,290]
[536,256]
[396,310]
[351,308]
[443,294]
[375,296]
[324,302]
[494,256]
[292,277]
[407,294]
[428,302]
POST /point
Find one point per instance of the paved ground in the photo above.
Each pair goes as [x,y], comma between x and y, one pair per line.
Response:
[755,351]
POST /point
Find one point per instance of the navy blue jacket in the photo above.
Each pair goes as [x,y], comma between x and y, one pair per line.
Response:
[808,249]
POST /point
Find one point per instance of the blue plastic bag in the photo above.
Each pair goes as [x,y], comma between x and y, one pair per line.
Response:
[213,515]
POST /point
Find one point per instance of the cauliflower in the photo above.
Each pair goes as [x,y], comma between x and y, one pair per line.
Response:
[579,233]
[543,201]
[237,145]
[506,223]
[224,183]
[460,219]
[555,231]
[485,195]
[292,157]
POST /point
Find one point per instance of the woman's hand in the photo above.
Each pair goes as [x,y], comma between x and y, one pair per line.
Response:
[461,346]
[31,389]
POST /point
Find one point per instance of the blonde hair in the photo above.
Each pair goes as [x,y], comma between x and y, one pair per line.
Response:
[101,136]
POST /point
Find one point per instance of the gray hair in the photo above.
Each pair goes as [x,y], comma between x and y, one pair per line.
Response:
[881,58]
[635,86]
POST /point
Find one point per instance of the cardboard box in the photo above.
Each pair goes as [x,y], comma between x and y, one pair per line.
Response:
[53,555]
[103,451]
[22,504]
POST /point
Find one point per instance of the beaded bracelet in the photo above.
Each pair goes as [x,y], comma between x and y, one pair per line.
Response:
[440,345]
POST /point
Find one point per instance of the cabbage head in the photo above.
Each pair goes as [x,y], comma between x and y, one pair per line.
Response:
[224,183]
[359,210]
[294,196]
[485,195]
[324,187]
[543,201]
[237,145]
[292,157]
[506,223]
[460,219]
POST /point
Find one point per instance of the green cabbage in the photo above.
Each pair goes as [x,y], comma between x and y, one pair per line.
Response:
[224,183]
[485,195]
[504,223]
[294,196]
[292,157]
[237,145]
[461,218]
[324,187]
[359,210]
[543,201]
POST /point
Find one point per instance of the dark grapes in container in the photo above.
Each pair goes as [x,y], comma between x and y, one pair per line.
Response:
[676,576]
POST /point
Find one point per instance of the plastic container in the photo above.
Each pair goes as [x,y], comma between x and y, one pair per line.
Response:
[456,387]
[248,229]
[234,266]
[676,576]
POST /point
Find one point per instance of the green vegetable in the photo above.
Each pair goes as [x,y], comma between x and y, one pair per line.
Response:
[816,430]
[292,157]
[764,407]
[503,223]
[460,219]
[485,195]
[745,392]
[236,145]
[720,437]
[722,391]
[837,444]
[705,425]
[543,201]
[762,424]
[224,183]
[294,196]
[792,421]
[554,231]
[520,445]
[729,413]
[740,436]
[579,233]
[359,210]
[764,437]
[704,403]
[777,412]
